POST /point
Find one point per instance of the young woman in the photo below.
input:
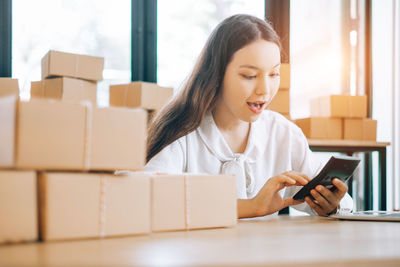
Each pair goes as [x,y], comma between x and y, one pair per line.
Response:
[218,124]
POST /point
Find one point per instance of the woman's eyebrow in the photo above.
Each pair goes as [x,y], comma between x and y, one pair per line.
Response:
[255,67]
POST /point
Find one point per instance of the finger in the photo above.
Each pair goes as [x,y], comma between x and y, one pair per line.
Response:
[291,202]
[282,181]
[322,202]
[286,180]
[341,188]
[314,206]
[299,178]
[327,194]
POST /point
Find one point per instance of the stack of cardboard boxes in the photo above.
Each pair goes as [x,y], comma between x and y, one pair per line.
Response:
[281,102]
[57,161]
[148,96]
[339,117]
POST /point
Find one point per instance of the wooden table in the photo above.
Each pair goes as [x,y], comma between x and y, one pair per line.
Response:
[281,240]
[349,147]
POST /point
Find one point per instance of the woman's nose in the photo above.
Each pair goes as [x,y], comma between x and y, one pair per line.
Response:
[262,88]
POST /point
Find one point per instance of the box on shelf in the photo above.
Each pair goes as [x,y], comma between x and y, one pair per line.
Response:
[68,90]
[61,64]
[189,201]
[82,205]
[281,102]
[18,206]
[339,106]
[321,127]
[46,134]
[285,76]
[9,86]
[360,129]
[140,94]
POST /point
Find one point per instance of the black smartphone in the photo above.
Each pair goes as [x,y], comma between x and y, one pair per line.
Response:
[336,167]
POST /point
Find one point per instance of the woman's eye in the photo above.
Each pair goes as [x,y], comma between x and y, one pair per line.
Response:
[248,76]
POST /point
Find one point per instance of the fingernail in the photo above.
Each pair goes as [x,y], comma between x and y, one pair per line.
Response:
[319,188]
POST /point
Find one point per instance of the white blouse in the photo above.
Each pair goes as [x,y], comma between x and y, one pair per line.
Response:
[275,145]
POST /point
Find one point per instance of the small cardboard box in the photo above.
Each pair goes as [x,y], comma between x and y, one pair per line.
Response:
[358,106]
[188,201]
[281,102]
[79,205]
[51,135]
[168,202]
[285,76]
[140,94]
[360,129]
[61,64]
[9,86]
[340,106]
[321,127]
[210,201]
[65,89]
[18,206]
[118,139]
[334,106]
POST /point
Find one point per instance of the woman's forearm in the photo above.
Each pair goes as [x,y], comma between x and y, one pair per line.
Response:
[246,208]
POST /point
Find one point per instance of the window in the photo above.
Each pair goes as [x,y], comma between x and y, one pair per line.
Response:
[315,52]
[98,28]
[183,28]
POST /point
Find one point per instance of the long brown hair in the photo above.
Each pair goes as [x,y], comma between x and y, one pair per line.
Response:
[201,90]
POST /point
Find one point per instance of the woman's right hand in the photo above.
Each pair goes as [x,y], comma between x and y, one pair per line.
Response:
[268,200]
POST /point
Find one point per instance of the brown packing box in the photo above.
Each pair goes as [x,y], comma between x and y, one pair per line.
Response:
[210,201]
[9,86]
[281,102]
[49,134]
[358,106]
[140,94]
[18,206]
[321,127]
[65,89]
[285,76]
[61,64]
[360,129]
[343,106]
[189,201]
[78,205]
[59,136]
[168,202]
[118,139]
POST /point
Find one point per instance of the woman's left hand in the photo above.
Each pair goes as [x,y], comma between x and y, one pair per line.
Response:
[326,201]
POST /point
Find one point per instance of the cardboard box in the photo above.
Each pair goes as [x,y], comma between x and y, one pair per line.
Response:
[281,102]
[168,202]
[210,201]
[65,89]
[78,205]
[189,201]
[18,206]
[61,64]
[321,127]
[9,86]
[118,139]
[340,106]
[140,94]
[360,129]
[52,135]
[285,76]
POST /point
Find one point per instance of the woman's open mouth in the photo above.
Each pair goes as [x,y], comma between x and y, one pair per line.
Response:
[256,107]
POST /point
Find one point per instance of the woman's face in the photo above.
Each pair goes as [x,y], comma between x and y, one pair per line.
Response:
[251,80]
